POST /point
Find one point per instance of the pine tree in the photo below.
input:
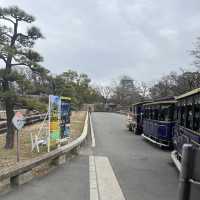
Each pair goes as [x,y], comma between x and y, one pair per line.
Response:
[16,49]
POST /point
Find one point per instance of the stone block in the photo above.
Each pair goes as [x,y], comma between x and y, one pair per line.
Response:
[60,160]
[22,178]
[76,150]
[4,185]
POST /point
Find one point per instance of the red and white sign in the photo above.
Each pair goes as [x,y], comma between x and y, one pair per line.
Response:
[18,120]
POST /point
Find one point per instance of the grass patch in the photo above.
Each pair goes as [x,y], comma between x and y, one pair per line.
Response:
[8,157]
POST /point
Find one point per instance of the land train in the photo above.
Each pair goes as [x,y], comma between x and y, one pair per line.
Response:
[135,118]
[170,122]
[187,129]
[159,122]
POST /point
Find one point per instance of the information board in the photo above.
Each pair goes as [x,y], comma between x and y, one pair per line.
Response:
[59,118]
[65,117]
[54,117]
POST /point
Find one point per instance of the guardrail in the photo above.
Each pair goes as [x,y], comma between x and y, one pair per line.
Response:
[189,178]
[29,120]
[22,172]
[122,112]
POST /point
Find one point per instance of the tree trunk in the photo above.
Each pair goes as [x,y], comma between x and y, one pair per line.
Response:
[8,100]
[10,129]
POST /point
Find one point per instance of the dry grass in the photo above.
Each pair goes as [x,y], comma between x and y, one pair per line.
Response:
[8,157]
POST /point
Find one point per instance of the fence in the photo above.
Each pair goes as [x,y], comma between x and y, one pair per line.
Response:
[28,120]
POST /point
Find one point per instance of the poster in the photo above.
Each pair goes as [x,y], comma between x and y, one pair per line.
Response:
[59,118]
[54,117]
[65,117]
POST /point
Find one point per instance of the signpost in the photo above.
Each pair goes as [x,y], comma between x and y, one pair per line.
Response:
[18,122]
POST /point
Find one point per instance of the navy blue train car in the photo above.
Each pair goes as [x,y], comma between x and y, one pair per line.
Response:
[187,129]
[159,122]
[134,118]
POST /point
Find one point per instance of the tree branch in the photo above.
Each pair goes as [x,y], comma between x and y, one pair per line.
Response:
[17,64]
[2,58]
[26,65]
[21,34]
[6,34]
[7,19]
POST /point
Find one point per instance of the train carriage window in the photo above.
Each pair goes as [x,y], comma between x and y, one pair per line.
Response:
[164,113]
[135,110]
[182,115]
[171,113]
[189,116]
[138,108]
[147,110]
[176,112]
[197,113]
[156,113]
[144,114]
[151,113]
[197,118]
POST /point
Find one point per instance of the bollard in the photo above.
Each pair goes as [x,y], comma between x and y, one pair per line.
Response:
[186,172]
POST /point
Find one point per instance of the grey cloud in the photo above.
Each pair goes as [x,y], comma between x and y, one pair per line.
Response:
[142,38]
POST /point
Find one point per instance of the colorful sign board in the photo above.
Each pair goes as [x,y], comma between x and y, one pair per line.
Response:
[65,117]
[54,117]
[59,118]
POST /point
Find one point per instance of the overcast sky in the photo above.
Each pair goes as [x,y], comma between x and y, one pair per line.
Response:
[144,39]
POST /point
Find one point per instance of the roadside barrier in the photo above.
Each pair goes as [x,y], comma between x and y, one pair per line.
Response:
[122,112]
[22,171]
[189,179]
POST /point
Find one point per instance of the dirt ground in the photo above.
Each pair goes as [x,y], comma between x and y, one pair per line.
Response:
[8,157]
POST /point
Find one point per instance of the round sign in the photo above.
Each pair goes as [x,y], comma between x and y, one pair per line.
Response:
[18,120]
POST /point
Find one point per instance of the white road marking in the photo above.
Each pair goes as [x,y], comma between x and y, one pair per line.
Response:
[94,194]
[106,186]
[92,133]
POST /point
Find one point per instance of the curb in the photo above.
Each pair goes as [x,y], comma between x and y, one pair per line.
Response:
[175,160]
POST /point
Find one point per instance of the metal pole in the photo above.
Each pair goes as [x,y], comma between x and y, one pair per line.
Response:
[186,172]
[49,136]
[18,146]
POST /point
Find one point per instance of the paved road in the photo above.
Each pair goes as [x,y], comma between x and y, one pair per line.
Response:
[122,163]
[68,182]
[143,171]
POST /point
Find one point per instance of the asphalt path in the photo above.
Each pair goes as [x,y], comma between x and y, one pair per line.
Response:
[141,171]
[144,171]
[67,182]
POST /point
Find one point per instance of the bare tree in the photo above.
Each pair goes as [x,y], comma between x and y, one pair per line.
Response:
[196,53]
[105,91]
[144,90]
